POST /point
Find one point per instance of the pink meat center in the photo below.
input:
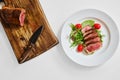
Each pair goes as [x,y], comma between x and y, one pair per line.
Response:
[22,18]
[93,47]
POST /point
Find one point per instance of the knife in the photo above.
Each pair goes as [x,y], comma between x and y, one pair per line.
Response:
[30,44]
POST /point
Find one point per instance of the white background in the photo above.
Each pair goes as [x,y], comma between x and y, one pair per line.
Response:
[54,64]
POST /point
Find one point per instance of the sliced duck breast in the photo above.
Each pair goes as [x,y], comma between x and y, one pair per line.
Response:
[93,47]
[96,39]
[91,36]
[88,32]
[86,29]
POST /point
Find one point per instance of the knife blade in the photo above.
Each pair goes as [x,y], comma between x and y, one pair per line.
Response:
[31,44]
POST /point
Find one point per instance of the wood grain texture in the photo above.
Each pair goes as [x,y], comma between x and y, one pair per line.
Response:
[19,36]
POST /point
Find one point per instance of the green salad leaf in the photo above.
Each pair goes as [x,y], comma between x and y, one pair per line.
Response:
[88,22]
[72,26]
[100,35]
[76,36]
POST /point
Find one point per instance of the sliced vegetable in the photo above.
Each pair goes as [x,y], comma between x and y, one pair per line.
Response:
[88,22]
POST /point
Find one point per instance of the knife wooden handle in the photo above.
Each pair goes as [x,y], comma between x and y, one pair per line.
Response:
[26,53]
[24,57]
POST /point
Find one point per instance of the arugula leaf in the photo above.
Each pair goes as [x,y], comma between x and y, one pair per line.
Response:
[75,43]
[72,26]
[77,37]
[88,22]
[100,35]
[72,33]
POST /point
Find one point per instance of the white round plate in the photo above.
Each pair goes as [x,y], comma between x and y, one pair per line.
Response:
[110,41]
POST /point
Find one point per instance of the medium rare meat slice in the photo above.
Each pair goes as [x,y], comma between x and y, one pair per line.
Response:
[91,38]
[96,39]
[13,15]
[93,47]
[85,29]
[88,32]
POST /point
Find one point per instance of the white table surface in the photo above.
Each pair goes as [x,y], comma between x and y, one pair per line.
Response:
[54,64]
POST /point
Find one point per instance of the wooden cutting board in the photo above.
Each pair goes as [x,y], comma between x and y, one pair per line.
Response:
[19,36]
